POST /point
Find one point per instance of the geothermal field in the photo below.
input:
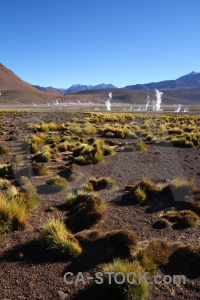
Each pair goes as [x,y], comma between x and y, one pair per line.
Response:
[100,189]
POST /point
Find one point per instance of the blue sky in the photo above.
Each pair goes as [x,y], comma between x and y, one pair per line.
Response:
[64,42]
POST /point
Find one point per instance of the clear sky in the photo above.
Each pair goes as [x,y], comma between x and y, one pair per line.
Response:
[63,42]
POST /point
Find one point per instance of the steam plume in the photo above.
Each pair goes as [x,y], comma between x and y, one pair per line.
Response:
[178,109]
[108,104]
[147,104]
[158,100]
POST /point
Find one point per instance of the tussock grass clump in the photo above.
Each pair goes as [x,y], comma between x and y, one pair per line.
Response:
[101,147]
[77,197]
[11,192]
[185,260]
[112,132]
[34,148]
[109,117]
[39,170]
[141,146]
[187,218]
[175,130]
[162,223]
[57,183]
[88,237]
[120,243]
[97,184]
[89,129]
[12,215]
[115,243]
[44,156]
[92,153]
[155,254]
[5,150]
[5,169]
[46,127]
[182,142]
[124,290]
[28,200]
[46,148]
[4,184]
[88,210]
[85,128]
[82,149]
[62,147]
[129,148]
[149,136]
[81,160]
[52,140]
[193,206]
[37,140]
[181,219]
[56,239]
[140,195]
[147,185]
[143,191]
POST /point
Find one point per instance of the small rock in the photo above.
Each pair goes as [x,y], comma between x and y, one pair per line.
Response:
[158,152]
[62,296]
[19,255]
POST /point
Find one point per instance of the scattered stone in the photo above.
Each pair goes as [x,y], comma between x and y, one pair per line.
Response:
[62,296]
[158,152]
[19,255]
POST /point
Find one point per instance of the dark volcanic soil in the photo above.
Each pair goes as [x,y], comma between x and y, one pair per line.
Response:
[26,274]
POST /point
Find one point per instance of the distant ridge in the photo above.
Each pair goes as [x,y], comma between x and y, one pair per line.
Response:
[75,88]
[191,80]
[49,89]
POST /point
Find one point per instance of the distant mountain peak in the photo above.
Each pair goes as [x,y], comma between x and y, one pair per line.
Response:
[193,73]
[191,80]
[81,87]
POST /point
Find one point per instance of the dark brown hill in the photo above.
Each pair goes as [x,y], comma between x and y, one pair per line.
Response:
[16,91]
[185,97]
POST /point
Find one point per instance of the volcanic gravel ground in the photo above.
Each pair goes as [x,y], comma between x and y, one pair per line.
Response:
[25,274]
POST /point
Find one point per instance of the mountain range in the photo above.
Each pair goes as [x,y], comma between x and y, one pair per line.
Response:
[74,88]
[184,90]
[191,80]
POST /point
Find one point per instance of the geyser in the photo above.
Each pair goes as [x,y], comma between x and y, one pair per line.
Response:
[158,100]
[178,109]
[108,104]
[147,104]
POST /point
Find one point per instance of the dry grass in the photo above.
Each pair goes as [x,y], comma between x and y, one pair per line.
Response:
[55,238]
[39,170]
[97,184]
[125,290]
[12,215]
[184,260]
[88,210]
[57,183]
[155,254]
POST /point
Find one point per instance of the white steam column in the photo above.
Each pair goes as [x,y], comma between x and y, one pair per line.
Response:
[108,103]
[178,109]
[158,100]
[147,104]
